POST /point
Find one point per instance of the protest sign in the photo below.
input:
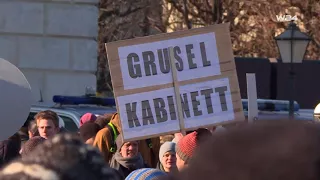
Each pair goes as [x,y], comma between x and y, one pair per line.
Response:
[175,82]
[15,99]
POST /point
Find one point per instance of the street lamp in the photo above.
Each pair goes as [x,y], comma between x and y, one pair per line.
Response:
[292,44]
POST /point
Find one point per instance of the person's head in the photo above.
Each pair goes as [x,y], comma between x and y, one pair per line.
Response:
[166,138]
[127,149]
[88,117]
[167,156]
[186,147]
[146,174]
[33,129]
[275,149]
[115,120]
[103,121]
[31,144]
[177,137]
[217,129]
[88,132]
[47,123]
[62,157]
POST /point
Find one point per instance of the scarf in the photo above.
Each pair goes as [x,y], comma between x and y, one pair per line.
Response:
[160,166]
[131,163]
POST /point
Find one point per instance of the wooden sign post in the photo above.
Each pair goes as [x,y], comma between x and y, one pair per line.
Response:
[175,82]
[252,97]
[177,91]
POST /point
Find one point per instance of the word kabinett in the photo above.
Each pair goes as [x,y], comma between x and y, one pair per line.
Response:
[158,110]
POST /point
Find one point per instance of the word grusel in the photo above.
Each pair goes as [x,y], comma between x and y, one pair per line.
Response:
[149,61]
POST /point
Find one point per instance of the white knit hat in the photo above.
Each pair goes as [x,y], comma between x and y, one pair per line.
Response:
[166,147]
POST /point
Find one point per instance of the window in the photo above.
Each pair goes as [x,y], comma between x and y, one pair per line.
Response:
[69,124]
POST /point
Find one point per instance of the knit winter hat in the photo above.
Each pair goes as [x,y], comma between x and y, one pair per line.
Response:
[166,147]
[146,174]
[186,146]
[88,117]
[103,121]
[63,157]
[31,144]
[88,130]
[119,142]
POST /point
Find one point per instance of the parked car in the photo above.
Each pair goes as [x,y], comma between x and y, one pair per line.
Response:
[278,109]
[71,108]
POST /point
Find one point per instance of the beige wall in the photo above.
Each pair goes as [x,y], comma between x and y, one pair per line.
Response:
[52,42]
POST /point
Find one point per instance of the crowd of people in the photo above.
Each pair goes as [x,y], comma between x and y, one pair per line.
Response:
[284,149]
[100,136]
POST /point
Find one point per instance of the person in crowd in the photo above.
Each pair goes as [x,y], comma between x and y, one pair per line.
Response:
[23,133]
[62,129]
[217,129]
[47,123]
[167,157]
[166,138]
[63,157]
[280,149]
[106,137]
[187,145]
[9,149]
[31,144]
[127,158]
[103,120]
[177,137]
[149,149]
[32,129]
[88,132]
[88,117]
[105,142]
[146,174]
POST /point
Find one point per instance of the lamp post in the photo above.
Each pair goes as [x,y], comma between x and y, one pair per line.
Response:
[292,44]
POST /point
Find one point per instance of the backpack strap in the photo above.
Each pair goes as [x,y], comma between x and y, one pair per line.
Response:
[114,136]
[149,143]
[114,133]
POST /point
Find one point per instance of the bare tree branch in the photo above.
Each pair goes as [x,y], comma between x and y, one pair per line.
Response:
[186,14]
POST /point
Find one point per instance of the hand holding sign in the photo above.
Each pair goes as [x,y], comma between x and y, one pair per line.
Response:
[15,99]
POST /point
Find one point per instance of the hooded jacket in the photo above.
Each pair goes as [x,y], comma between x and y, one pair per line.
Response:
[104,140]
[9,150]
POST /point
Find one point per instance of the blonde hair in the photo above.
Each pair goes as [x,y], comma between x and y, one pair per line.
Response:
[48,115]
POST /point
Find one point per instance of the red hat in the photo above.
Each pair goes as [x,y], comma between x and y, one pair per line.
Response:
[186,146]
[88,117]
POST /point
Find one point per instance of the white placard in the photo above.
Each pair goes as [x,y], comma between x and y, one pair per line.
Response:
[171,124]
[203,104]
[202,50]
[198,73]
[218,113]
